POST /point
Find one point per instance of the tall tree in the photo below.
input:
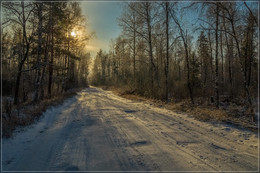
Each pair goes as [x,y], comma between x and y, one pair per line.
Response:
[167,50]
[216,57]
[39,53]
[20,13]
[231,14]
[185,45]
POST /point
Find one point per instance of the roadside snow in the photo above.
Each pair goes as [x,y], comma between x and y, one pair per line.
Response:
[21,141]
[98,131]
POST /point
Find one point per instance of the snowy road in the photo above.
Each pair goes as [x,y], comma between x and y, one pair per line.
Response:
[98,131]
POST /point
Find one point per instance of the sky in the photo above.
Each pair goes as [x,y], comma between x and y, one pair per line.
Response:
[102,18]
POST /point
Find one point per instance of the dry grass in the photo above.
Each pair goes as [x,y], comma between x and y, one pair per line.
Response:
[233,114]
[207,114]
[236,115]
[202,113]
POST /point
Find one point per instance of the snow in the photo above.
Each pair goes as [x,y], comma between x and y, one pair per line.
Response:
[24,137]
[99,131]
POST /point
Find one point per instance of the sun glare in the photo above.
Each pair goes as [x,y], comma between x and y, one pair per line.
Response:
[73,34]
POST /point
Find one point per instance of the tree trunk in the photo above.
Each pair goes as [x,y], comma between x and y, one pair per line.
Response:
[44,65]
[167,50]
[222,62]
[148,21]
[51,58]
[186,56]
[241,64]
[216,58]
[134,48]
[211,60]
[20,67]
[39,51]
[229,56]
[25,55]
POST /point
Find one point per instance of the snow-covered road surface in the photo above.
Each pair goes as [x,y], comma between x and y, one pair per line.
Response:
[99,131]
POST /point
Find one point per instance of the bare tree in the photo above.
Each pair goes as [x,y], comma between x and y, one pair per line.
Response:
[184,40]
[39,53]
[20,13]
[216,57]
[231,18]
[166,69]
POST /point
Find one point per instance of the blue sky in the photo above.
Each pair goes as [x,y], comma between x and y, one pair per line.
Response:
[102,18]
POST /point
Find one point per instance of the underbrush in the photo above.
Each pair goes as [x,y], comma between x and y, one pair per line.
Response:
[203,113]
[229,112]
[26,113]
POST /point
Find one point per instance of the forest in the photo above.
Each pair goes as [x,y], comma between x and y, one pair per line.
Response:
[130,86]
[195,53]
[43,54]
[203,52]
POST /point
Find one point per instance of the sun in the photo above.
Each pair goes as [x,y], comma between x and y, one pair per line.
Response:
[73,34]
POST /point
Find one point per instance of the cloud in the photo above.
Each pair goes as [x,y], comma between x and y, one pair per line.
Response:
[102,19]
[91,48]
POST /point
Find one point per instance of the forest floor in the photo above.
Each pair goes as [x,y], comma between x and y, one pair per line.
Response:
[26,113]
[230,113]
[97,130]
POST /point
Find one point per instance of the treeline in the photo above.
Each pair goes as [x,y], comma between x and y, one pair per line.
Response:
[161,55]
[43,51]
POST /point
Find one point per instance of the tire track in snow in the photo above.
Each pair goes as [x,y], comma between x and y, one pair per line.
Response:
[98,131]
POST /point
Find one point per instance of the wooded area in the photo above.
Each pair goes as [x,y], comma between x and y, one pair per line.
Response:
[43,51]
[176,91]
[205,52]
[44,59]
